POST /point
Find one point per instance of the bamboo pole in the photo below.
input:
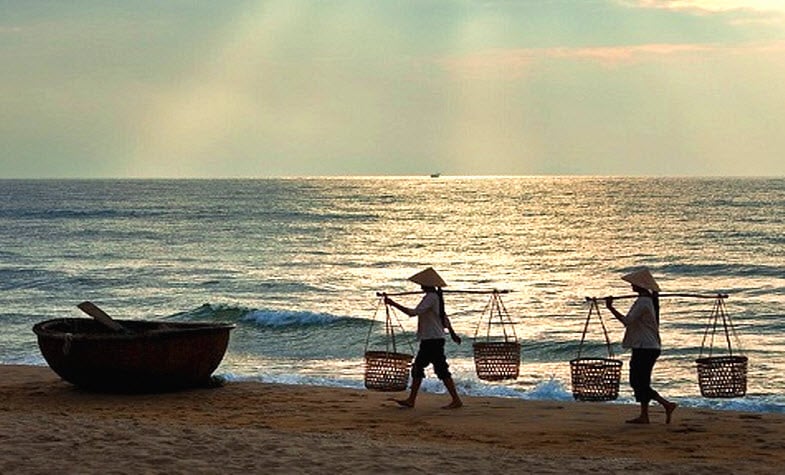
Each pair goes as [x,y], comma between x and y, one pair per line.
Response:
[418,292]
[633,296]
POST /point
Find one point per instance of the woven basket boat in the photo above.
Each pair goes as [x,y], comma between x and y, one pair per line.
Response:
[150,357]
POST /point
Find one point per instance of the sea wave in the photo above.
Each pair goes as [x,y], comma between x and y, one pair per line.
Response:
[263,317]
[81,214]
[549,350]
[724,270]
[285,318]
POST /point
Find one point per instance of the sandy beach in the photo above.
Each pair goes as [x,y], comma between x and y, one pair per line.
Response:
[47,425]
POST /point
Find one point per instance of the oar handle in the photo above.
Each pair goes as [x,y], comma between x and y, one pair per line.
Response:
[101,317]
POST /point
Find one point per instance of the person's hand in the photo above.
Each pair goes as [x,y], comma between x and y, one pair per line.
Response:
[609,302]
[387,300]
[454,335]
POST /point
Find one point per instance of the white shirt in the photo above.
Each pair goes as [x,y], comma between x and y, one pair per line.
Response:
[641,327]
[429,325]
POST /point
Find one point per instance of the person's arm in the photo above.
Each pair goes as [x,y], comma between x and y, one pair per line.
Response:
[412,312]
[453,335]
[636,312]
[408,311]
[612,309]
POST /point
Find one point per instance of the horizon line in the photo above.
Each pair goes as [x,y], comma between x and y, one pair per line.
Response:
[392,177]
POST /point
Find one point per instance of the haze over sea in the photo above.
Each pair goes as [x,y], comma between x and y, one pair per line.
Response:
[296,264]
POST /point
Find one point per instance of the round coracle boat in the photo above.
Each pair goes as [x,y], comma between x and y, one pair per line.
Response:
[147,357]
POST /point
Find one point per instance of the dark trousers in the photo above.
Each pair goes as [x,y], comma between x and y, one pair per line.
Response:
[431,352]
[641,366]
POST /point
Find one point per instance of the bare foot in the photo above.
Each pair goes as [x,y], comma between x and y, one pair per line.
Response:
[404,403]
[638,420]
[454,405]
[669,408]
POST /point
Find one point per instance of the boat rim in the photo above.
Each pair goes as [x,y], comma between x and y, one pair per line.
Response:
[160,328]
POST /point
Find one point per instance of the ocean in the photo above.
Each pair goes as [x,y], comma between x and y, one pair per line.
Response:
[296,264]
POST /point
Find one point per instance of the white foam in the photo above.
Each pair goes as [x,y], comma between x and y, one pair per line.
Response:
[278,318]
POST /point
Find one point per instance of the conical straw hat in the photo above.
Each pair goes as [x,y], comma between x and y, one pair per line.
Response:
[428,278]
[642,278]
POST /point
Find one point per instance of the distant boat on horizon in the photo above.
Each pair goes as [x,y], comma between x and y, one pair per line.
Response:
[435,175]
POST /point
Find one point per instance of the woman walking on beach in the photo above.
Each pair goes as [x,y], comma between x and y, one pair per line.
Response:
[431,323]
[642,335]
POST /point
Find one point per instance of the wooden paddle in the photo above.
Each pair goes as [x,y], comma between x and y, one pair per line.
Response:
[102,317]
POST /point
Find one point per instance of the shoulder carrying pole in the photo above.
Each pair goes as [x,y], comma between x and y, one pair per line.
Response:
[419,292]
[666,295]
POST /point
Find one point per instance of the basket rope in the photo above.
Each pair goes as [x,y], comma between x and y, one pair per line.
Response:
[594,308]
[389,327]
[718,313]
[495,308]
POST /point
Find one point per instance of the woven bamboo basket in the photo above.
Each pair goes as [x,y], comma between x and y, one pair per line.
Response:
[496,357]
[595,379]
[722,376]
[497,360]
[387,371]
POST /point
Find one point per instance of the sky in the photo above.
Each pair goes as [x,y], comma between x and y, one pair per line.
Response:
[240,88]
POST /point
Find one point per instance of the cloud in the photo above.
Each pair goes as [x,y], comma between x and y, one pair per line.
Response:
[712,6]
[625,54]
[513,64]
[510,63]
